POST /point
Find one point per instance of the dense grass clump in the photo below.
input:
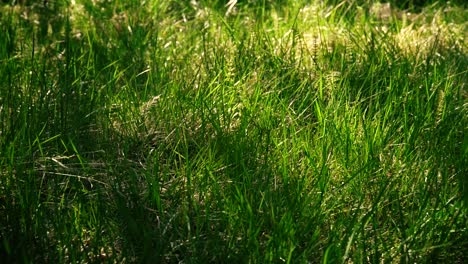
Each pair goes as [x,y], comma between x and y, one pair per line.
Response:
[252,132]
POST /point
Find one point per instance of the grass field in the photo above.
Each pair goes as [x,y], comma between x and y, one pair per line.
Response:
[254,132]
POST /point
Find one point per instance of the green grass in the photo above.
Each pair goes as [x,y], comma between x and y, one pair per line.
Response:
[280,131]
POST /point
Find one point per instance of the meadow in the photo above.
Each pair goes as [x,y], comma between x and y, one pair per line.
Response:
[210,131]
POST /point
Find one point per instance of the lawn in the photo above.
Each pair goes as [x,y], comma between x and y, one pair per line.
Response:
[261,131]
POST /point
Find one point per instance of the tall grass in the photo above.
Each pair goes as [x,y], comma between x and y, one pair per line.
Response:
[264,131]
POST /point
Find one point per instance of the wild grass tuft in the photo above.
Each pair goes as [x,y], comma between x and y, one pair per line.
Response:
[258,131]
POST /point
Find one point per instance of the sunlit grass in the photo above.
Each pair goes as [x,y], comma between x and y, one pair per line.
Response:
[181,131]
